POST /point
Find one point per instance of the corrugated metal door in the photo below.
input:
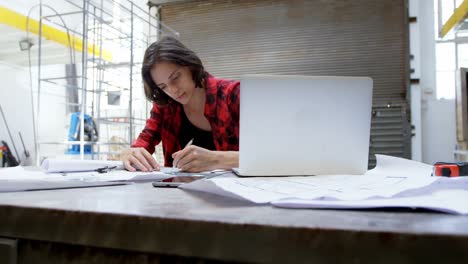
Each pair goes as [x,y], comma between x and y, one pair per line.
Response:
[390,131]
[316,37]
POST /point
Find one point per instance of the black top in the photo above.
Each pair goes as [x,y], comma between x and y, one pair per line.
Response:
[201,138]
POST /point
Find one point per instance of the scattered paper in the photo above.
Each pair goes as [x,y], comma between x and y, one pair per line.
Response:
[20,173]
[342,187]
[21,179]
[37,185]
[169,170]
[63,165]
[395,182]
[447,201]
[394,166]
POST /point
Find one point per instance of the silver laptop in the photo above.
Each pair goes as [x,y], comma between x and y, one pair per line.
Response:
[304,125]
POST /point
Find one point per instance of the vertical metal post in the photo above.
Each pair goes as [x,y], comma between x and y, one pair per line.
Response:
[159,23]
[84,57]
[131,75]
[455,42]
[93,78]
[148,39]
[100,77]
[149,25]
[38,159]
[439,17]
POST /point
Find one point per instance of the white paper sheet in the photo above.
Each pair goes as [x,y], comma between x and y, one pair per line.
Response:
[62,165]
[391,176]
[447,195]
[395,182]
[20,173]
[342,187]
[393,166]
[447,201]
[21,179]
[117,175]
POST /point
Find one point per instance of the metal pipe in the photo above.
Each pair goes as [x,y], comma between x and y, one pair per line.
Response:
[26,152]
[84,57]
[131,76]
[100,78]
[38,160]
[63,14]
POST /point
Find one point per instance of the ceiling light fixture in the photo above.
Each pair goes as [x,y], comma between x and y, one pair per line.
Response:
[25,44]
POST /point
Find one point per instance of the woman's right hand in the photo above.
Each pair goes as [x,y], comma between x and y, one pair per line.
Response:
[138,158]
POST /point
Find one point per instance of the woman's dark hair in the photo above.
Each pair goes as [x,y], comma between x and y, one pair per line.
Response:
[169,49]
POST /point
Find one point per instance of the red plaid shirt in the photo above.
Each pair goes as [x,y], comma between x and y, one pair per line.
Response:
[221,110]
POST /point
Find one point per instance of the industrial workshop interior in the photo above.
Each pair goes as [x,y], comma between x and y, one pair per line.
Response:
[233,131]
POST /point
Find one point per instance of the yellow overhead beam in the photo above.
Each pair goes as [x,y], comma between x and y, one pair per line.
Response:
[457,18]
[19,21]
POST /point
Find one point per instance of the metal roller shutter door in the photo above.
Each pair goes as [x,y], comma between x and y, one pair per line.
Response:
[333,37]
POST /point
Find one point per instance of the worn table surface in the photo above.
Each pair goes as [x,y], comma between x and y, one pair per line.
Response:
[176,222]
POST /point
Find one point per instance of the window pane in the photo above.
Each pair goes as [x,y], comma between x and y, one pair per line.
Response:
[446,11]
[445,84]
[463,55]
[445,56]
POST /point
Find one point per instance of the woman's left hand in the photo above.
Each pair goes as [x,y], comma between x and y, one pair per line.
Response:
[195,159]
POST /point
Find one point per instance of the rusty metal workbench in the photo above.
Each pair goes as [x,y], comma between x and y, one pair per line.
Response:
[141,224]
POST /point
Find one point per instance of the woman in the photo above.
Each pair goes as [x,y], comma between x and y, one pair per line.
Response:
[189,105]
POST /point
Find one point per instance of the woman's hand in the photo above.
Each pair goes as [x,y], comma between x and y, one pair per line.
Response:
[138,158]
[197,159]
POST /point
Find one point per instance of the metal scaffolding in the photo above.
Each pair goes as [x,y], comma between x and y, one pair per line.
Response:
[111,42]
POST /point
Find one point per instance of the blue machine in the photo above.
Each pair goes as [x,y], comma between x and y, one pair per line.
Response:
[90,132]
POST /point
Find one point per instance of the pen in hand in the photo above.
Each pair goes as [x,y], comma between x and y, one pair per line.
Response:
[188,144]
